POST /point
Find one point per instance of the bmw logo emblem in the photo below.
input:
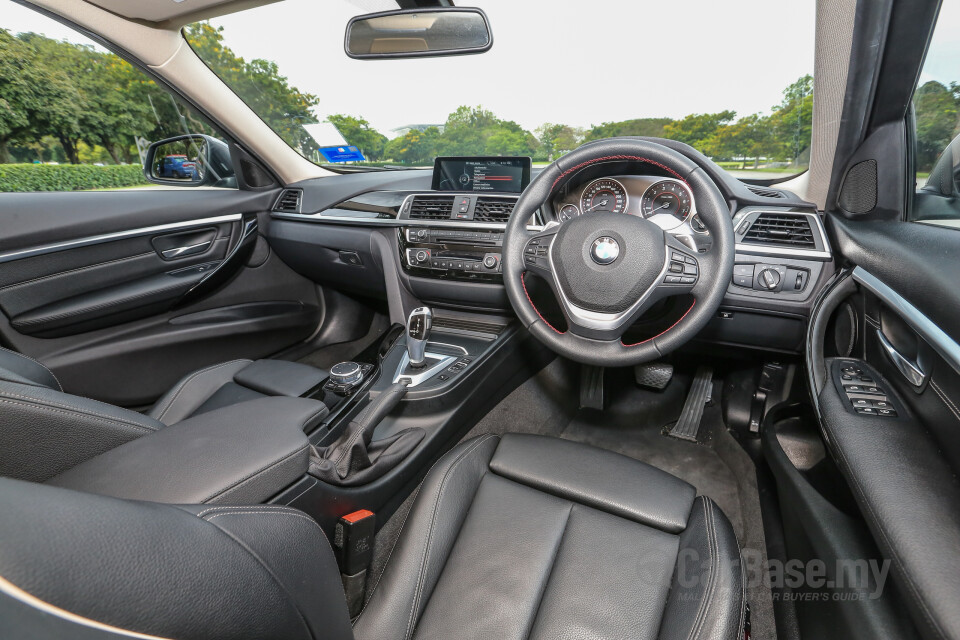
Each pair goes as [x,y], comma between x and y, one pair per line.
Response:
[605,250]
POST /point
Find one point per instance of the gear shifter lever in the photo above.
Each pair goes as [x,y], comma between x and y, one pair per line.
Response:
[418,332]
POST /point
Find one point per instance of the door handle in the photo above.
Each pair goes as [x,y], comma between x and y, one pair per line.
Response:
[189,250]
[912,371]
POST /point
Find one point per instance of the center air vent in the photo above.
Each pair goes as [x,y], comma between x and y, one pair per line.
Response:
[431,207]
[493,209]
[289,201]
[765,192]
[782,229]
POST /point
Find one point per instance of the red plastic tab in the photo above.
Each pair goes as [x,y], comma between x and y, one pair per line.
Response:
[356,516]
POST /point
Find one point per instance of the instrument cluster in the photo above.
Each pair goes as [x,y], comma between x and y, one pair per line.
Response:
[667,202]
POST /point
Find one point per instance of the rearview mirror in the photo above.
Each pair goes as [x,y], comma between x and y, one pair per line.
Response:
[193,160]
[418,33]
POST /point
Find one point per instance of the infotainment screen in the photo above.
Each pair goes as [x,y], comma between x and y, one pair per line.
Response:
[497,173]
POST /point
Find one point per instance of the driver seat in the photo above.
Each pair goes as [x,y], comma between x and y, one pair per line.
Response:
[515,537]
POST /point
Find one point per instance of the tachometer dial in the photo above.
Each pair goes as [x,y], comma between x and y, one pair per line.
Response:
[604,194]
[667,197]
[567,212]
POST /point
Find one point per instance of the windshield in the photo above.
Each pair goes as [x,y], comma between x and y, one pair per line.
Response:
[715,75]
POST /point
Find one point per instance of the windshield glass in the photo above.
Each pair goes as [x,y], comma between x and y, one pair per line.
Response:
[718,76]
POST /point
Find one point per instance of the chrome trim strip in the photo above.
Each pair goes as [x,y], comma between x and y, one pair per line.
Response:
[194,248]
[934,335]
[760,250]
[110,237]
[394,222]
[913,373]
[422,376]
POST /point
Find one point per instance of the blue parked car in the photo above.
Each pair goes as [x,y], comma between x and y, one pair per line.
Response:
[177,166]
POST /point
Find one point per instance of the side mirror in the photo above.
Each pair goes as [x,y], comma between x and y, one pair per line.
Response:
[418,33]
[193,160]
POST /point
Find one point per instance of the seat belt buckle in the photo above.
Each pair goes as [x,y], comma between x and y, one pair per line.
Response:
[353,539]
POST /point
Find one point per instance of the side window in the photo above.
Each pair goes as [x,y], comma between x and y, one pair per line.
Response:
[75,116]
[936,105]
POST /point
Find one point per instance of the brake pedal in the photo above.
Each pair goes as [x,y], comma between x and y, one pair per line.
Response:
[653,375]
[591,387]
[701,392]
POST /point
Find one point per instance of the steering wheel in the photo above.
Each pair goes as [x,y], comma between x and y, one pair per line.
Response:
[606,269]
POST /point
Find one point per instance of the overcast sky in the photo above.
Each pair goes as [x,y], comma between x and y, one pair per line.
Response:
[573,62]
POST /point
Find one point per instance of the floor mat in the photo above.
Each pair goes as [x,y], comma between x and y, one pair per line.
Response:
[633,424]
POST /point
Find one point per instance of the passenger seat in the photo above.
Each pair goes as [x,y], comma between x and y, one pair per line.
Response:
[44,431]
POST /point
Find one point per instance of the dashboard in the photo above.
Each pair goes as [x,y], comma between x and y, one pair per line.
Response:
[421,236]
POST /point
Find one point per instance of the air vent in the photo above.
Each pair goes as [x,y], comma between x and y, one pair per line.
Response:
[782,229]
[493,209]
[289,201]
[765,192]
[431,207]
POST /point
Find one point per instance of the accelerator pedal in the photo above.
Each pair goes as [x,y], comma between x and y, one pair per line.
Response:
[700,394]
[653,375]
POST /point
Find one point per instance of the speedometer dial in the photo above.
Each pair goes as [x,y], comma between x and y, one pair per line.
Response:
[604,194]
[667,197]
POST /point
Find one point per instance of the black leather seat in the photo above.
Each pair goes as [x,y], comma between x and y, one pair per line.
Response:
[518,537]
[44,431]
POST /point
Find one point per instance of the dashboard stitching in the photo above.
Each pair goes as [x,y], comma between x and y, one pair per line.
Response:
[619,157]
[636,344]
[523,282]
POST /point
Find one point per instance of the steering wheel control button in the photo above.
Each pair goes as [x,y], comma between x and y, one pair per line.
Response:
[606,250]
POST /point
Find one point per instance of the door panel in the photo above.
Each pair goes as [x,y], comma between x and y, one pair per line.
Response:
[177,281]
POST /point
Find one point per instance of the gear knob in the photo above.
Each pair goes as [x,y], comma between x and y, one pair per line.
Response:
[418,332]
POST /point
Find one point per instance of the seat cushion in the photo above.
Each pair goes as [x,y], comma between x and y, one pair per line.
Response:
[16,367]
[232,382]
[528,536]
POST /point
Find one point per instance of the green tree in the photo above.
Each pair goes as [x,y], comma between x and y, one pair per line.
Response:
[259,84]
[557,139]
[791,121]
[652,127]
[748,137]
[358,132]
[937,121]
[696,128]
[416,147]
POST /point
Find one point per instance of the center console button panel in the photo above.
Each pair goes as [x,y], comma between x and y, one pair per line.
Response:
[451,253]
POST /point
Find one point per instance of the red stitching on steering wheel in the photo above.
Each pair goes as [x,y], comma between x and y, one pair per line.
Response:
[530,300]
[636,344]
[637,158]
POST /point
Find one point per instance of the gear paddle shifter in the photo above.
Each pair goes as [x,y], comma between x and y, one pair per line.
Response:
[418,332]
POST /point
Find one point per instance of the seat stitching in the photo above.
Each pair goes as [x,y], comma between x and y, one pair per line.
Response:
[946,400]
[34,360]
[713,578]
[73,409]
[264,565]
[702,609]
[93,417]
[187,380]
[235,507]
[553,566]
[433,519]
[253,475]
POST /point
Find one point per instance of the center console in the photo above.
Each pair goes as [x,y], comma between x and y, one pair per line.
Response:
[452,252]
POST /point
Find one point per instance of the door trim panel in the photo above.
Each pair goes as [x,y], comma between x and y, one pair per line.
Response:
[943,344]
[118,235]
